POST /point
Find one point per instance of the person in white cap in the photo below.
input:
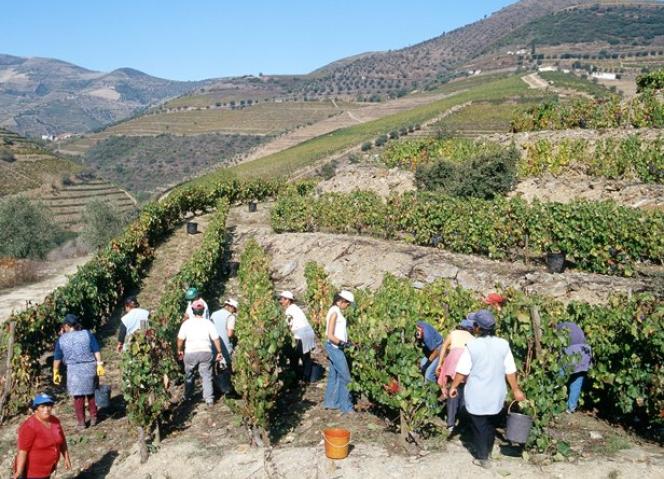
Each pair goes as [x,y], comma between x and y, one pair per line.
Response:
[303,334]
[224,321]
[336,394]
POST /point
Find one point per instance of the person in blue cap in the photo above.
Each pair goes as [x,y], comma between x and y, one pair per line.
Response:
[484,365]
[79,350]
[41,441]
[431,342]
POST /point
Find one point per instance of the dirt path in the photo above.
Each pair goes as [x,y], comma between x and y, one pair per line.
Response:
[17,298]
[535,81]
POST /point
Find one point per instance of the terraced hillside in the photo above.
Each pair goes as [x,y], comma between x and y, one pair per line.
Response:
[27,168]
[25,165]
[69,202]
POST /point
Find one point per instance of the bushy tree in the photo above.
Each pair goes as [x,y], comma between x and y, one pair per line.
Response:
[26,229]
[102,221]
[486,176]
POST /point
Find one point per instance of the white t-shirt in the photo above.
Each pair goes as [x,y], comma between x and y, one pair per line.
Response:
[132,322]
[340,331]
[224,320]
[190,312]
[486,361]
[198,334]
[299,325]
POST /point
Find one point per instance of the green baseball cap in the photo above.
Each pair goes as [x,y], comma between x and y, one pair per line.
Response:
[191,294]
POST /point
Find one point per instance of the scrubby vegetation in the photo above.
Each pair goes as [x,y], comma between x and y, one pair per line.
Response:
[152,163]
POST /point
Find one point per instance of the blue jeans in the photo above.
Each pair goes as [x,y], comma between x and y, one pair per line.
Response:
[338,377]
[430,372]
[574,387]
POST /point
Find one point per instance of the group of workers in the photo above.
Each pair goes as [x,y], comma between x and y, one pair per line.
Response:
[471,365]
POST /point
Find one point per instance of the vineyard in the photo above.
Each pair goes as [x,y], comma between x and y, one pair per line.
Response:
[626,382]
[633,157]
[385,353]
[614,240]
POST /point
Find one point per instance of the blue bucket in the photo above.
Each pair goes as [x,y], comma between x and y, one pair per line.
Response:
[103,396]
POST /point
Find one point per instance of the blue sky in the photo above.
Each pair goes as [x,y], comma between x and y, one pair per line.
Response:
[197,39]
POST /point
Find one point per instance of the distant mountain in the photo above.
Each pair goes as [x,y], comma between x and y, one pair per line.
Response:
[437,59]
[46,96]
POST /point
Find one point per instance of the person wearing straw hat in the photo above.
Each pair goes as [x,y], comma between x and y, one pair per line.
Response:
[41,441]
[484,365]
[134,319]
[79,350]
[195,339]
[337,395]
[224,322]
[303,334]
[452,349]
[192,294]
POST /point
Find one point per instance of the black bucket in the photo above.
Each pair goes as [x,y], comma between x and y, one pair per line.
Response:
[252,207]
[103,396]
[316,373]
[192,228]
[555,262]
[518,426]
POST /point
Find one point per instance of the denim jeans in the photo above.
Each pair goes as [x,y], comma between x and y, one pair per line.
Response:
[430,371]
[574,386]
[338,377]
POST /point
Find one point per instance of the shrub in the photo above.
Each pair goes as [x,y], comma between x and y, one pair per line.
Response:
[366,146]
[485,177]
[381,140]
[26,229]
[7,155]
[102,221]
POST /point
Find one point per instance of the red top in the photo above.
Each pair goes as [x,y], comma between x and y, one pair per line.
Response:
[43,445]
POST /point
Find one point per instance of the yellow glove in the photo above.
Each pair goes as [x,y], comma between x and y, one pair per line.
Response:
[57,379]
[100,369]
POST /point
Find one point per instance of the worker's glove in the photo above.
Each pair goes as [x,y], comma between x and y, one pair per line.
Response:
[57,379]
[100,369]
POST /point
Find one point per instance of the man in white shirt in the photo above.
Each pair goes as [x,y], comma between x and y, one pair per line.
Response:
[194,343]
[303,334]
[135,318]
[224,322]
[484,365]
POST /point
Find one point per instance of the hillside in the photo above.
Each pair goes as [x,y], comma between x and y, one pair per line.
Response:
[436,60]
[59,184]
[46,96]
[24,165]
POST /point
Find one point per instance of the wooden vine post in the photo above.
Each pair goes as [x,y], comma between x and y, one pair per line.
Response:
[537,329]
[8,370]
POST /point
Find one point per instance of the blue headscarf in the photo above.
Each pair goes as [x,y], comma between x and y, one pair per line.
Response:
[431,338]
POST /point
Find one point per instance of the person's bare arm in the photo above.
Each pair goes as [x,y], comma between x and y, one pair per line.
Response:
[56,364]
[98,357]
[230,333]
[217,344]
[458,379]
[65,454]
[21,459]
[514,385]
[330,329]
[180,346]
[443,353]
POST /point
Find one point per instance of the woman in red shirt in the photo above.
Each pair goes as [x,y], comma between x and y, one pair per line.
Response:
[41,440]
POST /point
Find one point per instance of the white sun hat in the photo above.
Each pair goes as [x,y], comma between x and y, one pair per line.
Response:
[347,295]
[287,295]
[232,302]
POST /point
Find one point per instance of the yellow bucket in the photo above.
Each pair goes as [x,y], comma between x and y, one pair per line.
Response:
[336,443]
